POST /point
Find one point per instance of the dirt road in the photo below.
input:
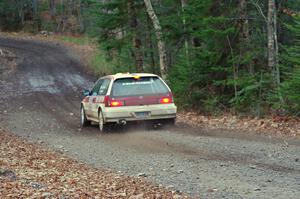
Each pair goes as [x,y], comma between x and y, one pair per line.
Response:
[40,101]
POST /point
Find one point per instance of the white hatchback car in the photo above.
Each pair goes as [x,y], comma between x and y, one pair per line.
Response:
[127,97]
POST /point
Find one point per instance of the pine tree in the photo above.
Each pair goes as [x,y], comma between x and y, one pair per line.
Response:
[291,63]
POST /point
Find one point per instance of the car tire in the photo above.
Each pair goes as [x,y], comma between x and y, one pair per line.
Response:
[103,127]
[83,119]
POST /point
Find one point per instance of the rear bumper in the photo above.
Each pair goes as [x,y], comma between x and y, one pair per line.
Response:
[157,111]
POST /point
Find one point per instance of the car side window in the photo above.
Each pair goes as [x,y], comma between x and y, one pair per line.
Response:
[96,88]
[104,87]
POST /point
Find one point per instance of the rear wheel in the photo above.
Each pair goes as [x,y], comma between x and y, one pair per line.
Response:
[83,120]
[103,127]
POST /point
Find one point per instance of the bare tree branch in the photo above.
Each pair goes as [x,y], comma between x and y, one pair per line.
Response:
[259,10]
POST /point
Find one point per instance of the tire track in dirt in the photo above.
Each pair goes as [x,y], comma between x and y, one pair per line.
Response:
[40,101]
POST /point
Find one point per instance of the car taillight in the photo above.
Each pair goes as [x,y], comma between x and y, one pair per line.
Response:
[112,102]
[166,100]
[115,103]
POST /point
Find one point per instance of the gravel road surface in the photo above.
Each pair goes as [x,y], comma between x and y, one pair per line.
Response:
[40,101]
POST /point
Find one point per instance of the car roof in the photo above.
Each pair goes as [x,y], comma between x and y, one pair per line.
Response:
[128,75]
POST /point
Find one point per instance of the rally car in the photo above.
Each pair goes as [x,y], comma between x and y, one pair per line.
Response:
[122,98]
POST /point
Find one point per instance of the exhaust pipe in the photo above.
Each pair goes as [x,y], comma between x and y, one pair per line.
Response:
[122,122]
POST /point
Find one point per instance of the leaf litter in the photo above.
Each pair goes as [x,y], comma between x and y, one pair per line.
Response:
[275,126]
[29,170]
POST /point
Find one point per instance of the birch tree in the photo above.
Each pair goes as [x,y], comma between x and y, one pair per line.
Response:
[159,36]
[272,41]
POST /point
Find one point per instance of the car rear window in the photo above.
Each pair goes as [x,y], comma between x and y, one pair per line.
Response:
[138,86]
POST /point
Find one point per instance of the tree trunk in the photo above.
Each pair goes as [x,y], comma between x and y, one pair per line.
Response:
[186,44]
[234,69]
[244,20]
[244,36]
[151,48]
[137,43]
[277,72]
[272,41]
[20,7]
[63,17]
[160,42]
[52,8]
[273,47]
[34,9]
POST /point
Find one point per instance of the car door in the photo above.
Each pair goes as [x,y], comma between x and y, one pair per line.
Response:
[92,98]
[98,99]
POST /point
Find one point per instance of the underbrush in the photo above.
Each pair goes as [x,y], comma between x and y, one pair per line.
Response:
[95,59]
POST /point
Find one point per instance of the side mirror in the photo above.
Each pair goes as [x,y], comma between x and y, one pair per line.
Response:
[86,92]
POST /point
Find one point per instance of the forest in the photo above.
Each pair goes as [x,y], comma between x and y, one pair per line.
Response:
[218,56]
